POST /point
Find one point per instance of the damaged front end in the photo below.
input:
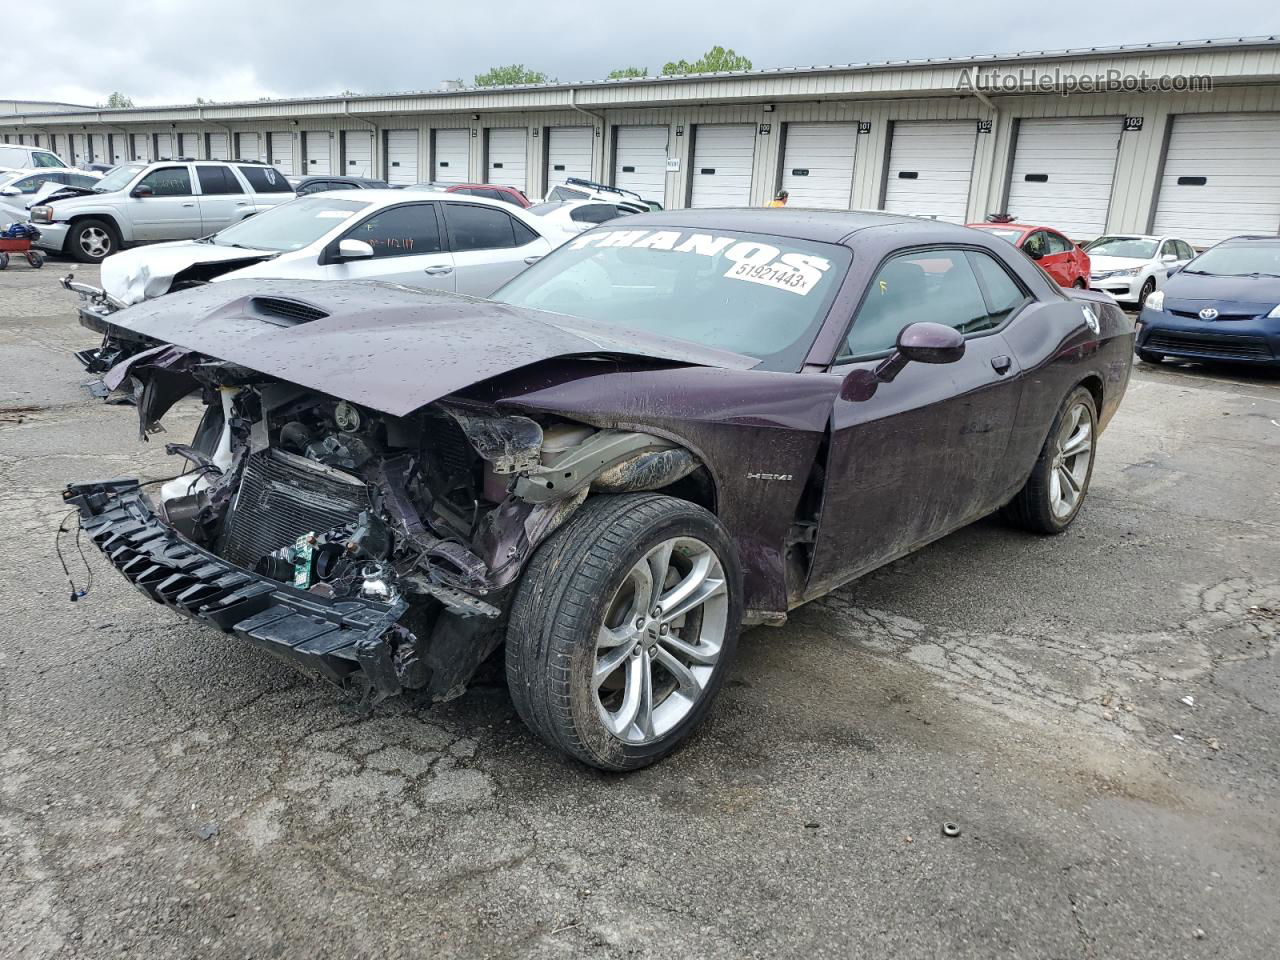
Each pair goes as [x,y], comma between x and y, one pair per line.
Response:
[379,552]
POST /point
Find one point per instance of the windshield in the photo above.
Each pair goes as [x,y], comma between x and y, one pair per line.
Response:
[1004,233]
[1137,248]
[753,294]
[1259,259]
[290,226]
[118,178]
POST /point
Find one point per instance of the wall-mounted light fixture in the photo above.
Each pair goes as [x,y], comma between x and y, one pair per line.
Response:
[768,108]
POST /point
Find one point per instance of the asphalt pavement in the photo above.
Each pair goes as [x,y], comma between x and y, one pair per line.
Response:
[1097,713]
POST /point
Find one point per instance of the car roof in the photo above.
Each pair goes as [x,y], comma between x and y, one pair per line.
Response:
[387,196]
[1024,227]
[826,226]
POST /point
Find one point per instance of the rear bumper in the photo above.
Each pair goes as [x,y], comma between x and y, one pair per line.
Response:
[348,642]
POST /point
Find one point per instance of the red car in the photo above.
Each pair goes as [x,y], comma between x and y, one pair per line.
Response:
[491,191]
[1061,258]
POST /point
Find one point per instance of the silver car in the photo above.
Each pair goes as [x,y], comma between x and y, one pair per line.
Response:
[168,200]
[435,240]
[20,188]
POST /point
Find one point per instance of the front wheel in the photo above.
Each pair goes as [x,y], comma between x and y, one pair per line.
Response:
[1055,491]
[92,241]
[1147,290]
[623,628]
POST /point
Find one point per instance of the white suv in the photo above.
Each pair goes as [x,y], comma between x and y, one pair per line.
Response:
[18,156]
[145,202]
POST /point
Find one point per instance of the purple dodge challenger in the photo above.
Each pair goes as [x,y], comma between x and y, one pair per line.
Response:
[670,427]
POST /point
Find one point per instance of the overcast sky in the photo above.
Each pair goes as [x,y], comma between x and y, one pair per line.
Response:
[172,52]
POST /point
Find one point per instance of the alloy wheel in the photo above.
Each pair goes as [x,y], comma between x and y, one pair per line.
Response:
[1073,456]
[658,647]
[95,242]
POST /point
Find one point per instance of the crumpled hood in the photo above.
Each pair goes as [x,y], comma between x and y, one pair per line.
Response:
[132,276]
[1103,264]
[391,348]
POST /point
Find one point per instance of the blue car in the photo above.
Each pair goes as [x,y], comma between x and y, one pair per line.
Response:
[1223,305]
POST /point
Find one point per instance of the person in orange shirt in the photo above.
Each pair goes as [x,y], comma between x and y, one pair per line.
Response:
[780,200]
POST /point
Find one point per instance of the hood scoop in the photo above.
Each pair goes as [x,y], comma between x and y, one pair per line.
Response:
[284,312]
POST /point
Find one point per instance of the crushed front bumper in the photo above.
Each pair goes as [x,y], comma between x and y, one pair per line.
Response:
[352,643]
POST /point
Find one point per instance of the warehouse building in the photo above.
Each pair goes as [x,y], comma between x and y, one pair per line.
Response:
[1180,138]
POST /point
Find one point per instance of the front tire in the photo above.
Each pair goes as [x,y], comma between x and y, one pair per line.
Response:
[623,629]
[1053,494]
[1148,288]
[92,241]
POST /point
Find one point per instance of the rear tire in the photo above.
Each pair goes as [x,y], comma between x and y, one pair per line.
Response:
[1146,356]
[1054,493]
[596,667]
[4,261]
[92,241]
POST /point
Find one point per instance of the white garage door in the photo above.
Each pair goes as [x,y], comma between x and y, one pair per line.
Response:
[358,153]
[1062,173]
[142,147]
[248,147]
[98,144]
[116,143]
[218,149]
[315,148]
[280,146]
[79,149]
[930,164]
[722,156]
[817,164]
[189,145]
[506,162]
[402,156]
[640,161]
[452,156]
[1221,178]
[164,146]
[568,154]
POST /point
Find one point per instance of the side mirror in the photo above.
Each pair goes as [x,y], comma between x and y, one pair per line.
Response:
[1170,258]
[917,342]
[11,192]
[142,190]
[354,250]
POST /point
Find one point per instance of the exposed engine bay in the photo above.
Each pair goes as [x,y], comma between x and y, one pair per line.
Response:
[408,533]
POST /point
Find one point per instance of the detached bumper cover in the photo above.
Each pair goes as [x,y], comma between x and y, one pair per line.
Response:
[53,236]
[348,642]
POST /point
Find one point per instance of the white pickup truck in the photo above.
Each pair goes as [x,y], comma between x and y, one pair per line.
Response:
[145,202]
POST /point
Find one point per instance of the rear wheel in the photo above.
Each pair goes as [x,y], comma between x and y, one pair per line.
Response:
[623,629]
[1055,491]
[1146,356]
[35,258]
[4,261]
[92,241]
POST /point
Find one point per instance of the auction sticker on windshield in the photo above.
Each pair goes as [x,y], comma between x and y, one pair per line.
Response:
[752,261]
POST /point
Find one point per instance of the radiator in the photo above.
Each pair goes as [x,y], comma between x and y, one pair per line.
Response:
[283,497]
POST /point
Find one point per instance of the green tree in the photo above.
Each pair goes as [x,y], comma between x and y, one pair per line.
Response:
[625,72]
[118,100]
[715,60]
[507,76]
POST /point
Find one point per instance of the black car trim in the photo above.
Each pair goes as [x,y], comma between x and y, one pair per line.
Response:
[344,641]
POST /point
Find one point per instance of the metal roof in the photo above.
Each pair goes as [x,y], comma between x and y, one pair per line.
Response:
[1175,46]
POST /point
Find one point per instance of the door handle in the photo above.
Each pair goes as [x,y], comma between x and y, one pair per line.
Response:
[438,270]
[1001,364]
[242,203]
[188,204]
[534,259]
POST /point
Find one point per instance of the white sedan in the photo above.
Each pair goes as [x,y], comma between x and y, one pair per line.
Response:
[1131,267]
[441,241]
[19,189]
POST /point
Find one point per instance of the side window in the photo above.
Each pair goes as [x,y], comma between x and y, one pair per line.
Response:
[1003,293]
[523,233]
[1184,250]
[265,179]
[312,186]
[1036,245]
[933,285]
[79,179]
[1058,243]
[401,231]
[168,182]
[594,213]
[45,160]
[33,183]
[217,180]
[343,185]
[473,227]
